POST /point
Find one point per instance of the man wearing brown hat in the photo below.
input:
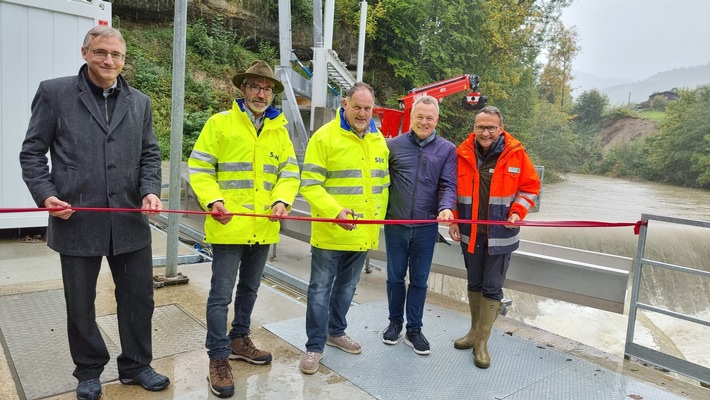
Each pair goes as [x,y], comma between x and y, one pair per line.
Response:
[243,163]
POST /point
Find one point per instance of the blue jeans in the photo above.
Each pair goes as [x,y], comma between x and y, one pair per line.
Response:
[334,276]
[249,260]
[485,272]
[409,248]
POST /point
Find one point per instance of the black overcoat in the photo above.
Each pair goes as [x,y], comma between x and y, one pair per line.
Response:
[93,164]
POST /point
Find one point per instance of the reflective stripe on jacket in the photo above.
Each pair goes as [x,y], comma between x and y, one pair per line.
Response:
[340,170]
[514,189]
[250,172]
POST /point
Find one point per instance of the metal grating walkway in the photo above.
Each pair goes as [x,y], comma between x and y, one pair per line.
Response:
[520,368]
[33,333]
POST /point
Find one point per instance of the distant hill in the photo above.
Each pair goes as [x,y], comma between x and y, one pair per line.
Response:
[584,81]
[620,92]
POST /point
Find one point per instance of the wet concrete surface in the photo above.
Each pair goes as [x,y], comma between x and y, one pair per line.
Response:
[28,266]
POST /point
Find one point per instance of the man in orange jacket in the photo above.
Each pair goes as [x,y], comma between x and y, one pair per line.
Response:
[496,181]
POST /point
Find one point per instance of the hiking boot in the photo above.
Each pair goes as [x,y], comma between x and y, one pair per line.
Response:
[243,349]
[392,334]
[220,378]
[418,342]
[344,343]
[89,390]
[310,362]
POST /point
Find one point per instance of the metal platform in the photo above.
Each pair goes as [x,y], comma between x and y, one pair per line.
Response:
[34,335]
[521,368]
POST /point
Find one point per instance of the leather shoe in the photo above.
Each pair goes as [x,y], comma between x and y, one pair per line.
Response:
[149,379]
[89,390]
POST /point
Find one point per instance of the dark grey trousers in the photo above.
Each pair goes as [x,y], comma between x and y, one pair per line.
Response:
[132,274]
[485,272]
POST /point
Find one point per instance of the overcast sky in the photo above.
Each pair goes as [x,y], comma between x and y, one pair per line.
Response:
[635,39]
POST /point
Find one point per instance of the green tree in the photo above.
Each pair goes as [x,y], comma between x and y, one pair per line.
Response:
[588,112]
[658,103]
[679,152]
[552,143]
[557,74]
[629,160]
[416,42]
[701,163]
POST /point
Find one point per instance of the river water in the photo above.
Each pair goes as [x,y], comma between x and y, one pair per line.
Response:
[610,199]
[585,197]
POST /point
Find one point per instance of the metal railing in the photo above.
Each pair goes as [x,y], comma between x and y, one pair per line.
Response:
[577,276]
[642,352]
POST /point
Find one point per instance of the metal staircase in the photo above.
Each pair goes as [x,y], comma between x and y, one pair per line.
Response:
[294,83]
[338,72]
[329,66]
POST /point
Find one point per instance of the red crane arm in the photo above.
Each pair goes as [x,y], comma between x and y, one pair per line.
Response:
[440,89]
[393,122]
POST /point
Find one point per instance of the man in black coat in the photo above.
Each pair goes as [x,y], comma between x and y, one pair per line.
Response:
[104,153]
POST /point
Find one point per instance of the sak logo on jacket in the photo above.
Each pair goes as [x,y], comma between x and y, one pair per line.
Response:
[380,160]
[272,155]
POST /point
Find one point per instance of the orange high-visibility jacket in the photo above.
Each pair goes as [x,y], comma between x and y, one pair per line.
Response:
[514,189]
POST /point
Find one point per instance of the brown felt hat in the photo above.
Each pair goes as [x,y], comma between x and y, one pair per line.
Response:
[258,69]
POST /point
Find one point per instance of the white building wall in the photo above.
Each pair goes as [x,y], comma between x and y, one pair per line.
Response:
[39,39]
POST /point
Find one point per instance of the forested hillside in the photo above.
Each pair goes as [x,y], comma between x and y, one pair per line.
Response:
[411,43]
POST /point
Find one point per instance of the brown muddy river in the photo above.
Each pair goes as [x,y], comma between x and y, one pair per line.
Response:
[609,199]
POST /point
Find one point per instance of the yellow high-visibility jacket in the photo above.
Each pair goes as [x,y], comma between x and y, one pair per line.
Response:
[340,170]
[249,172]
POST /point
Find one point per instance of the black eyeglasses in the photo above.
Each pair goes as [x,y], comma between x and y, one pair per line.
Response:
[256,89]
[101,54]
[490,129]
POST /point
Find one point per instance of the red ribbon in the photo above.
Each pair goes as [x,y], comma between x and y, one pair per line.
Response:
[558,224]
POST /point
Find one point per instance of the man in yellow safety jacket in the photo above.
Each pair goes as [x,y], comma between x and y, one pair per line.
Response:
[243,162]
[345,176]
